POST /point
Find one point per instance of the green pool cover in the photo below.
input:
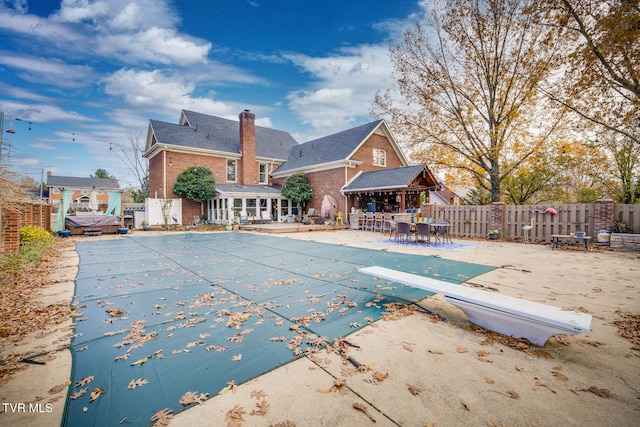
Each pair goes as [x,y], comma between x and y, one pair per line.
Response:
[159,316]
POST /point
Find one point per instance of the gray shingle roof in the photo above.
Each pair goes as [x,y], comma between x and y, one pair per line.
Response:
[384,178]
[336,147]
[215,133]
[72,182]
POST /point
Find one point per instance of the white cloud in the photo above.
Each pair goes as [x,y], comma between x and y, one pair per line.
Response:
[41,113]
[163,93]
[50,71]
[156,45]
[345,84]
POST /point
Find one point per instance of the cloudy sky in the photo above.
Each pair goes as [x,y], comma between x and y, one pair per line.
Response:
[80,78]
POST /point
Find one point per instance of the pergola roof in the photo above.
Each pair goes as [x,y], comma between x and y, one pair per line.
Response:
[409,177]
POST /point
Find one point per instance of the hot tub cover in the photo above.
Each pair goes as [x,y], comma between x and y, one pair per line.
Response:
[92,220]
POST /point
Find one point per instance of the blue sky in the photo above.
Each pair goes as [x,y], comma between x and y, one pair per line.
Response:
[81,77]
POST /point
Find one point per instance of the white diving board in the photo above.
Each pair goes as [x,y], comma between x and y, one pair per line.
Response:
[500,313]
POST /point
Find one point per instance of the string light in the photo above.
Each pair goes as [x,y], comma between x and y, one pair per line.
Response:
[74,134]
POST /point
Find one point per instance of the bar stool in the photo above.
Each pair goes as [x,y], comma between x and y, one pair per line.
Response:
[377,222]
[369,222]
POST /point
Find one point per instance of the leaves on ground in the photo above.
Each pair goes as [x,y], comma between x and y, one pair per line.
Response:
[85,381]
[79,393]
[629,327]
[140,362]
[137,383]
[193,397]
[415,390]
[465,405]
[162,418]
[363,408]
[258,394]
[512,394]
[115,312]
[96,393]
[262,407]
[339,385]
[560,375]
[235,416]
[58,388]
[601,392]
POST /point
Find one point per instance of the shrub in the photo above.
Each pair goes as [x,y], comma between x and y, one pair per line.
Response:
[33,233]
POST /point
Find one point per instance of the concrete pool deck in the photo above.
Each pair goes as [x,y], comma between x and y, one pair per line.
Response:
[418,370]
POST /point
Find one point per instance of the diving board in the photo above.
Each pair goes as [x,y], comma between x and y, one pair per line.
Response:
[500,313]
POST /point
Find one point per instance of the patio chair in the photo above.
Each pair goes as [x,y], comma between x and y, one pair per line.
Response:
[386,223]
[423,232]
[403,231]
[377,221]
[369,222]
[362,221]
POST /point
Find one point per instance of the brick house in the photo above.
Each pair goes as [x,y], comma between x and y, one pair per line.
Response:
[86,194]
[251,163]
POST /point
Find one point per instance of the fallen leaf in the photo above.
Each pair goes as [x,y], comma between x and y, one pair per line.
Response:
[193,397]
[84,381]
[59,387]
[465,405]
[461,350]
[137,383]
[414,390]
[560,375]
[235,415]
[258,394]
[363,408]
[162,418]
[140,362]
[601,392]
[432,351]
[541,384]
[262,408]
[96,393]
[79,393]
[512,394]
[236,357]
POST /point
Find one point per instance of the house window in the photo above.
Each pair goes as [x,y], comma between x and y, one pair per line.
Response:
[263,173]
[55,190]
[379,157]
[231,170]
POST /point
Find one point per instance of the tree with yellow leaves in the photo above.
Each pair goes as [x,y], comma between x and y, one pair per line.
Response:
[467,94]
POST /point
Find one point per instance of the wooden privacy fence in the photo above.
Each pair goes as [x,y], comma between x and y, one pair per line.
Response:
[476,221]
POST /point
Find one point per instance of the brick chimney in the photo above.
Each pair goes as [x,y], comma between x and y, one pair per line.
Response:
[247,167]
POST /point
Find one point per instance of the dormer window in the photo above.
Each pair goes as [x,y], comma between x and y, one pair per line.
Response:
[379,157]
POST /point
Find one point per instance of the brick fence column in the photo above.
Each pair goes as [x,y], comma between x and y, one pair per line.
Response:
[496,217]
[603,215]
[11,230]
[425,210]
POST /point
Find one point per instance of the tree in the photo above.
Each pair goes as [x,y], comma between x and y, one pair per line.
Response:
[196,183]
[297,188]
[102,173]
[468,88]
[601,82]
[132,156]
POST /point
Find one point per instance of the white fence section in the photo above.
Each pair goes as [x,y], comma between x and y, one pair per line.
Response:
[163,211]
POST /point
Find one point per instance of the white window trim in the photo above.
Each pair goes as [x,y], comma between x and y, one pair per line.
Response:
[235,161]
[380,157]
